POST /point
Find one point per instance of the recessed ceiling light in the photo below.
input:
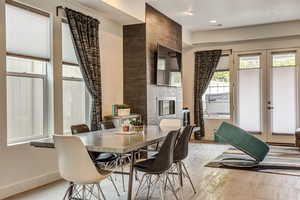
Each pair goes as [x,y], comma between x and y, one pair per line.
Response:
[188,13]
[213,21]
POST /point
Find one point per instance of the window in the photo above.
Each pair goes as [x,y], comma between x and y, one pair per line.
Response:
[27,108]
[216,99]
[75,96]
[26,80]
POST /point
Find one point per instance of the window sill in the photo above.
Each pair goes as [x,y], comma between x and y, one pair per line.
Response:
[25,142]
[216,118]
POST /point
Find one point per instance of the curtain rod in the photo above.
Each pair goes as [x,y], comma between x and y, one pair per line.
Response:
[230,50]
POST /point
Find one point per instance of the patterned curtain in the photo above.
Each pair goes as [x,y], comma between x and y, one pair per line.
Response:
[205,66]
[85,36]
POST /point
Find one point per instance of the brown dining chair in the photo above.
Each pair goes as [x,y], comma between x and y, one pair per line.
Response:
[80,128]
[107,125]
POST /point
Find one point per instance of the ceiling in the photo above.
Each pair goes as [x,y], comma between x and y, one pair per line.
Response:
[110,11]
[195,15]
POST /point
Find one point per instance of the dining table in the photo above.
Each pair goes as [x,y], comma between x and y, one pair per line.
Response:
[116,141]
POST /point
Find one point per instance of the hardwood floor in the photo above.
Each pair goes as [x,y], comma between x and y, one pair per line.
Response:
[211,184]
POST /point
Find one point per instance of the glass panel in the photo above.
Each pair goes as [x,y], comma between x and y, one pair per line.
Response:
[25,65]
[249,89]
[249,62]
[217,96]
[175,79]
[71,71]
[73,103]
[161,64]
[284,60]
[27,33]
[223,63]
[68,51]
[24,108]
[283,96]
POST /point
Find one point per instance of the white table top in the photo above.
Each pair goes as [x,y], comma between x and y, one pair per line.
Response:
[113,141]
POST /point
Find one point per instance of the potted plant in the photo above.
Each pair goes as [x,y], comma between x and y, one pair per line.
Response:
[137,125]
[123,110]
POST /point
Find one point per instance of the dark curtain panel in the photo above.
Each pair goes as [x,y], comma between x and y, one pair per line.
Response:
[85,36]
[205,66]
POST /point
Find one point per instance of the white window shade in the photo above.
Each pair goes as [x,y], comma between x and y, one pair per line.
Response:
[223,63]
[27,33]
[68,51]
[249,100]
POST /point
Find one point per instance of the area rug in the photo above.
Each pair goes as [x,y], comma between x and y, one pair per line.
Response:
[279,160]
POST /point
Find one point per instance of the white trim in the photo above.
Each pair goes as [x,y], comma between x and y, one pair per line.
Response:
[3,118]
[56,74]
[231,87]
[28,184]
[265,65]
[25,140]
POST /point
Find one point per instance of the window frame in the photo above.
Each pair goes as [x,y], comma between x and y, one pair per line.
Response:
[86,94]
[44,78]
[68,78]
[229,70]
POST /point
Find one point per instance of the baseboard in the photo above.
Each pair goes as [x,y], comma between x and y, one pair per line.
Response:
[28,184]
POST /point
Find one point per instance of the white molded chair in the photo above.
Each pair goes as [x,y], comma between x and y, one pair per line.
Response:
[170,122]
[167,123]
[76,166]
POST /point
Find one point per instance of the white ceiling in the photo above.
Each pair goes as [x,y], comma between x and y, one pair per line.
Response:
[110,11]
[229,13]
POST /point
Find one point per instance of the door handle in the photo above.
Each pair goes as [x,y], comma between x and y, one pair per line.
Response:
[270,107]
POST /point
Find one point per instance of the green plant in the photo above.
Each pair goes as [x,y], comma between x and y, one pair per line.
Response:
[123,106]
[136,123]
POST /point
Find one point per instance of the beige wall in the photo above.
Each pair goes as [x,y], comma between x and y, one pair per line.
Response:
[23,167]
[265,31]
[189,63]
[186,37]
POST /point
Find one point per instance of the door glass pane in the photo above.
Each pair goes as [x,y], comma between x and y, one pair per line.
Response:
[249,62]
[249,90]
[283,97]
[284,60]
[73,103]
[24,108]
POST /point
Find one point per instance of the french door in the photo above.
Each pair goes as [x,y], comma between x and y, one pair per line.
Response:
[266,93]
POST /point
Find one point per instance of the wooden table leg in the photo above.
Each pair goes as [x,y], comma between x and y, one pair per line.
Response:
[130,182]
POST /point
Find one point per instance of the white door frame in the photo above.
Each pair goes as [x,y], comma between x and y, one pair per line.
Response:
[265,78]
[281,138]
[262,54]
